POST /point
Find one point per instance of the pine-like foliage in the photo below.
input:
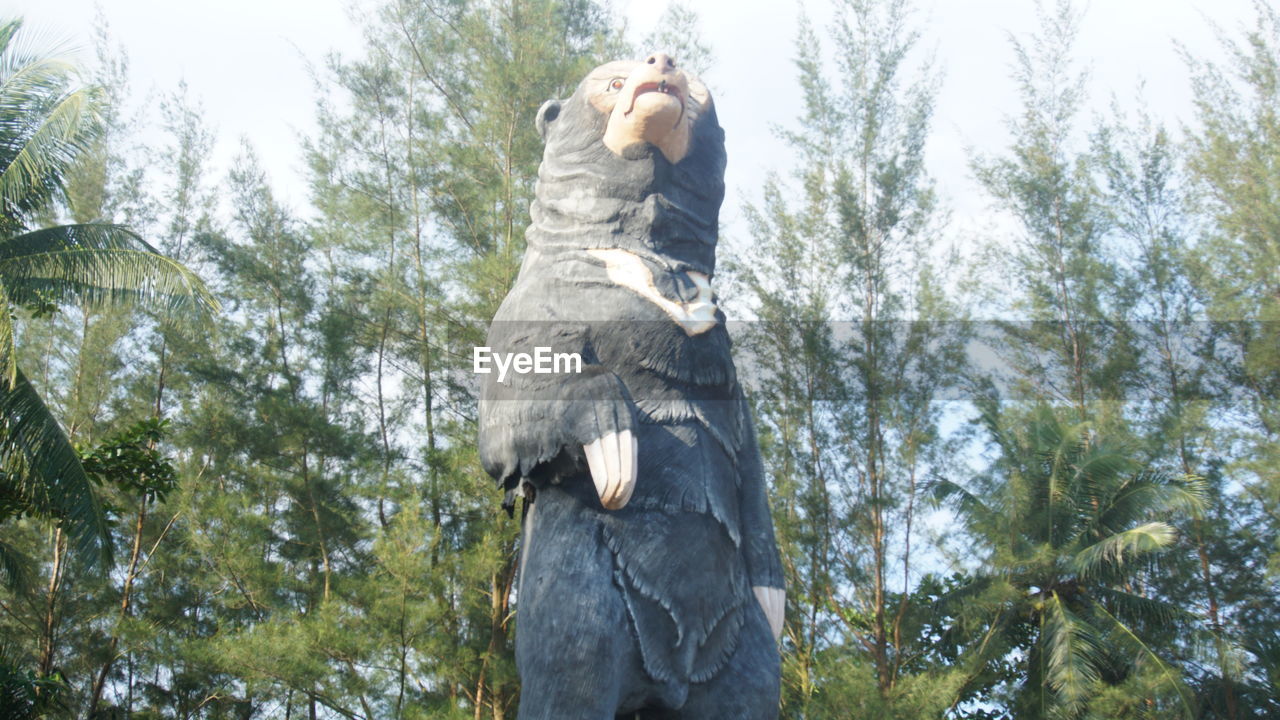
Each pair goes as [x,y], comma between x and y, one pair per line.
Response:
[848,362]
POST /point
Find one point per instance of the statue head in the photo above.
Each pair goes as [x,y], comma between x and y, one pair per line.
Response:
[634,159]
[639,102]
[653,102]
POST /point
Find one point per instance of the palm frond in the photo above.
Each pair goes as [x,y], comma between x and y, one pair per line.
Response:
[1129,638]
[28,81]
[15,567]
[99,277]
[965,502]
[1112,551]
[1098,468]
[8,32]
[33,155]
[20,49]
[1136,609]
[29,77]
[53,483]
[1073,652]
[90,236]
[1152,493]
[982,593]
[1051,438]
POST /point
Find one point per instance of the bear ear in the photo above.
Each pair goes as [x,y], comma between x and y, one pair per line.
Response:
[549,111]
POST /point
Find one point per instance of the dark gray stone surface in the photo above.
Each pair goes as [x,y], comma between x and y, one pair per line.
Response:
[650,607]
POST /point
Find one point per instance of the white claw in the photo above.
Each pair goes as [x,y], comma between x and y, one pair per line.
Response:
[612,462]
[630,454]
[595,463]
[774,602]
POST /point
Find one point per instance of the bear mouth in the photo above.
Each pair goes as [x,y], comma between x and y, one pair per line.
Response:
[663,87]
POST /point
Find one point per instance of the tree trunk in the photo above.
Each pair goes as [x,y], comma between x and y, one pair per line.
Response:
[50,623]
[126,597]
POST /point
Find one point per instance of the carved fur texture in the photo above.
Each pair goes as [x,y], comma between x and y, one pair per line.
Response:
[648,608]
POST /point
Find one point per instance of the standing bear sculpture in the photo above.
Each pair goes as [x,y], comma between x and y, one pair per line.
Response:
[650,582]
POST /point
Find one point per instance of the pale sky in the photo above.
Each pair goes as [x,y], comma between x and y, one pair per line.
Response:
[246,61]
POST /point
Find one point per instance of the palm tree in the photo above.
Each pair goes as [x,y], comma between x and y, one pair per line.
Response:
[1069,522]
[46,121]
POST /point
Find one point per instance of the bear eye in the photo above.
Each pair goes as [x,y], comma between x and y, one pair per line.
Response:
[616,84]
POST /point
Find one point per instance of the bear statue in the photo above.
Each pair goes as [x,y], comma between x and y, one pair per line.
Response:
[650,583]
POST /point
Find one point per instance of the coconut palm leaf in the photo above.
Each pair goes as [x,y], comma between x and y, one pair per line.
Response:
[989,418]
[1128,638]
[100,277]
[43,126]
[53,483]
[18,57]
[32,162]
[1073,655]
[31,90]
[965,502]
[92,236]
[1068,519]
[1152,492]
[15,567]
[1097,469]
[1135,609]
[1111,552]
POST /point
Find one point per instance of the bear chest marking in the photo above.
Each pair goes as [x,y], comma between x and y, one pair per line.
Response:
[627,270]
